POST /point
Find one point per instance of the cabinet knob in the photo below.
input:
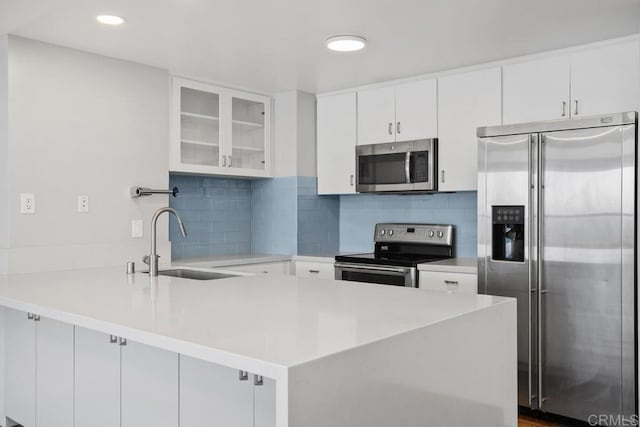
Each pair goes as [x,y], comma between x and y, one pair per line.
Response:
[351,178]
[258,380]
[243,375]
[229,161]
[36,317]
[398,127]
[442,176]
[390,128]
[575,107]
[564,109]
[113,339]
[224,160]
[122,341]
[30,316]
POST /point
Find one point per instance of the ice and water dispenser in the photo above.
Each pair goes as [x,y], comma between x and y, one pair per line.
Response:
[508,233]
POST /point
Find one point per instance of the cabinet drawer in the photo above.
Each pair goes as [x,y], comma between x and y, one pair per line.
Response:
[321,270]
[454,282]
[276,268]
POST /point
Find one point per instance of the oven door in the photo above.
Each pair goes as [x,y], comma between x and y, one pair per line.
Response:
[402,166]
[380,274]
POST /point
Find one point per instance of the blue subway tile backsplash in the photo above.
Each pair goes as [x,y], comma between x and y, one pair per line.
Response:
[286,215]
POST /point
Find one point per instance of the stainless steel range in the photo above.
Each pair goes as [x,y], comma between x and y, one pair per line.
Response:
[399,248]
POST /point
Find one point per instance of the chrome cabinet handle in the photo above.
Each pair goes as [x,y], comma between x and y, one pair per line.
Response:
[36,317]
[442,176]
[351,178]
[451,282]
[30,316]
[224,160]
[113,339]
[398,127]
[229,161]
[122,341]
[243,375]
[390,128]
[314,271]
[258,380]
[575,107]
[564,109]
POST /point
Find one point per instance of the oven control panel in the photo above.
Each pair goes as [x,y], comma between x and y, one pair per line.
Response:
[434,234]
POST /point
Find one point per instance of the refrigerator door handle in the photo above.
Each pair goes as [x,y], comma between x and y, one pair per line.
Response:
[539,242]
[532,283]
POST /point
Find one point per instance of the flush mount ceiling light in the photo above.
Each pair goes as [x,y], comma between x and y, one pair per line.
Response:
[110,19]
[346,43]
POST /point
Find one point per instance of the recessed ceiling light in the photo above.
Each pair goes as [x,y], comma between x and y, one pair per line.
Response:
[110,19]
[346,43]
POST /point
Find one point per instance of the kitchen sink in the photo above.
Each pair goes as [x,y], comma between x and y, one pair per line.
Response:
[195,274]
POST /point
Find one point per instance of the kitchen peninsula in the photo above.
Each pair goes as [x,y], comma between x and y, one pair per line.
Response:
[253,351]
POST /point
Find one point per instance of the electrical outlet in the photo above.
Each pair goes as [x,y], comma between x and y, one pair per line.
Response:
[83,204]
[27,203]
[137,229]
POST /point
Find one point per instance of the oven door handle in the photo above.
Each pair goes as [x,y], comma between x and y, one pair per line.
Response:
[407,167]
[368,267]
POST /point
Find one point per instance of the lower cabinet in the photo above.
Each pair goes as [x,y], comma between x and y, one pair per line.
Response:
[321,270]
[215,395]
[449,281]
[123,383]
[39,370]
[274,268]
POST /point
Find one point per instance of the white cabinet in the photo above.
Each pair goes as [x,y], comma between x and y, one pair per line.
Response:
[39,370]
[606,79]
[593,81]
[449,281]
[97,379]
[219,131]
[376,115]
[398,113]
[123,383]
[336,147]
[215,395]
[536,90]
[20,371]
[465,101]
[149,393]
[273,268]
[416,110]
[54,373]
[321,270]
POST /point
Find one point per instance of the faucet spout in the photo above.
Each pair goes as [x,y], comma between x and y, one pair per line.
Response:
[153,257]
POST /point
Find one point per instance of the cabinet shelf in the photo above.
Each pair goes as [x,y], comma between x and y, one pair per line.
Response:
[248,124]
[199,116]
[195,142]
[248,148]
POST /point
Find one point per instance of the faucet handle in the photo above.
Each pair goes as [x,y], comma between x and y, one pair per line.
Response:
[146,259]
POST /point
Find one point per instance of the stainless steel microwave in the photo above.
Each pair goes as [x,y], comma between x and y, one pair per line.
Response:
[397,166]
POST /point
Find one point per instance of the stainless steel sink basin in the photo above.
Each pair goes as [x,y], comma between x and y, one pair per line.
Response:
[195,274]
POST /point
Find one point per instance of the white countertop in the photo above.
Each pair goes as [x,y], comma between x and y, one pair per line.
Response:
[453,265]
[263,324]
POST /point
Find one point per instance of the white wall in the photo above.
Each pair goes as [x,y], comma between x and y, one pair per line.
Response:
[4,152]
[295,134]
[82,124]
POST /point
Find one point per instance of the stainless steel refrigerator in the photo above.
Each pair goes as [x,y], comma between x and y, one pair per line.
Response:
[557,230]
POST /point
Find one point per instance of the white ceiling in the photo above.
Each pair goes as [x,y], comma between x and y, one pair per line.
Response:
[276,45]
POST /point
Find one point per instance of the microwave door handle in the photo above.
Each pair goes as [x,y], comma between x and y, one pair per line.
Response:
[407,167]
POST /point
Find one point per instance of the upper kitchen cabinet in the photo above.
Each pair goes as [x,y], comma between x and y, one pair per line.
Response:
[336,118]
[376,115]
[606,79]
[465,102]
[220,131]
[398,113]
[536,90]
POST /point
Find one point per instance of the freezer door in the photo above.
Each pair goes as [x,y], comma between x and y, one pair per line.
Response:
[506,177]
[582,270]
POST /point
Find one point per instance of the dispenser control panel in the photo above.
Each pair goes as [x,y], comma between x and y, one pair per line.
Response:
[508,214]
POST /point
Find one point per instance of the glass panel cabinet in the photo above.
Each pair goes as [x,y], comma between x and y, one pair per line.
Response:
[220,131]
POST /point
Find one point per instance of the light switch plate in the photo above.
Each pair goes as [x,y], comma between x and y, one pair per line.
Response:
[27,203]
[137,229]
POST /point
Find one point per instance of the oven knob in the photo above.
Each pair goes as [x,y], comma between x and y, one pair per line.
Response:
[440,234]
[390,232]
[431,233]
[382,232]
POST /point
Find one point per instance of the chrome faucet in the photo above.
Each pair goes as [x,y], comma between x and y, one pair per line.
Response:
[152,259]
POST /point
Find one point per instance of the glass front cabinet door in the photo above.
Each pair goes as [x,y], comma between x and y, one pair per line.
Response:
[220,131]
